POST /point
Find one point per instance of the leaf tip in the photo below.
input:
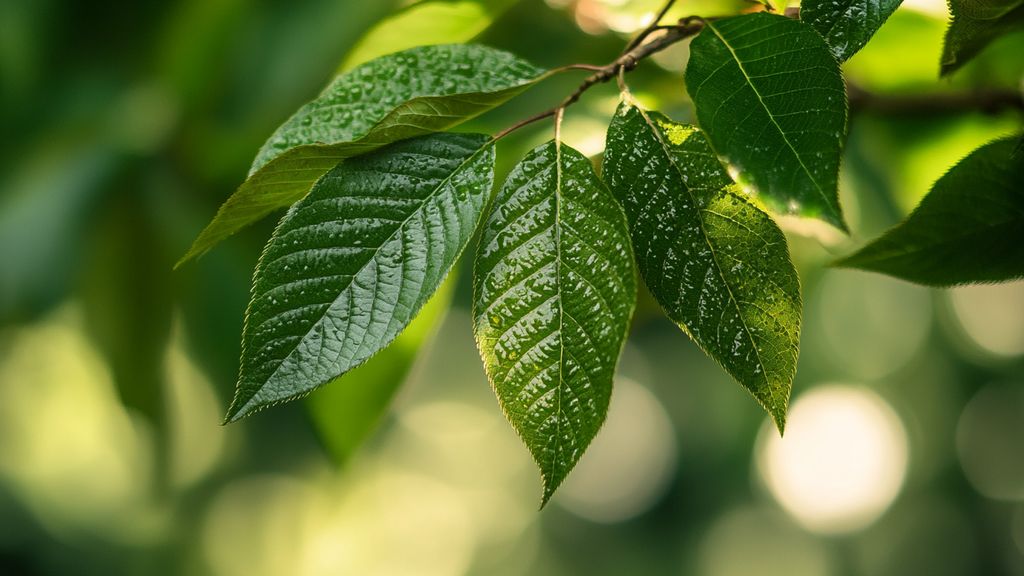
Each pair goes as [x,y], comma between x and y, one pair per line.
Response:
[779,418]
[550,485]
[237,411]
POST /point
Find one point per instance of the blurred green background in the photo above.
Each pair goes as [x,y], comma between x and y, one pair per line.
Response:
[126,124]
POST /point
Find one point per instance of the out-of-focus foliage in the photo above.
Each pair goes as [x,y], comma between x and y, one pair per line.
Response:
[129,123]
[424,24]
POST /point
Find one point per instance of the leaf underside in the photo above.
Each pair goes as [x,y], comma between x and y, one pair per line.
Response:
[352,263]
[969,228]
[771,100]
[974,26]
[717,264]
[402,95]
[847,25]
[554,290]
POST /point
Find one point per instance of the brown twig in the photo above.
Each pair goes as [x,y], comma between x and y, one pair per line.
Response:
[654,25]
[686,28]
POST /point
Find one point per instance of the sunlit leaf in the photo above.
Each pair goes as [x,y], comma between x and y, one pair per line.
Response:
[770,97]
[411,93]
[847,25]
[425,23]
[975,25]
[346,411]
[716,263]
[352,263]
[554,290]
[969,228]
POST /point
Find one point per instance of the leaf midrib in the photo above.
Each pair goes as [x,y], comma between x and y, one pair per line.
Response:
[561,304]
[771,117]
[370,260]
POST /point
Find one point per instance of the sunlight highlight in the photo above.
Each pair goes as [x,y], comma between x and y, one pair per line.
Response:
[842,461]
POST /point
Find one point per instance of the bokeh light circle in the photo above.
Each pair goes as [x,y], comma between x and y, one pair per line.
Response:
[990,316]
[989,441]
[872,325]
[748,541]
[842,461]
[630,463]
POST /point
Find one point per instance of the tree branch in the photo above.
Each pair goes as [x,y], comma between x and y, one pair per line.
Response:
[985,101]
[686,28]
[861,100]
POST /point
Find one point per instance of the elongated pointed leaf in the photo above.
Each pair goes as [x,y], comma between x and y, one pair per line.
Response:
[410,93]
[770,97]
[975,25]
[554,290]
[847,25]
[346,411]
[352,263]
[717,264]
[969,228]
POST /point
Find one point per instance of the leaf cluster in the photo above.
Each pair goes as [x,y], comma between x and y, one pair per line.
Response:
[383,201]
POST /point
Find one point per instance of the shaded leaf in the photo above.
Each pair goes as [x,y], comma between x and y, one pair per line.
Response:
[554,290]
[424,23]
[975,25]
[847,25]
[969,228]
[125,289]
[771,100]
[717,264]
[349,408]
[352,263]
[47,202]
[411,93]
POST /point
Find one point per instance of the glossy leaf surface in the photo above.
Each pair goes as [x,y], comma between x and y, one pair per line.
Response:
[969,228]
[403,95]
[847,25]
[352,263]
[771,100]
[717,264]
[346,411]
[975,25]
[554,290]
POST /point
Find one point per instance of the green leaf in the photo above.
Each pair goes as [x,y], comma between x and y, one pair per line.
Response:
[411,93]
[847,25]
[717,264]
[352,263]
[424,23]
[969,228]
[770,97]
[347,410]
[975,25]
[554,290]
